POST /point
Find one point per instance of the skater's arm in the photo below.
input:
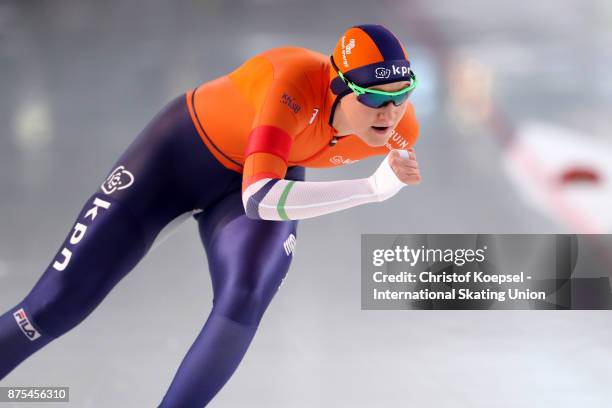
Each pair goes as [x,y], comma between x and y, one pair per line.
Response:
[273,198]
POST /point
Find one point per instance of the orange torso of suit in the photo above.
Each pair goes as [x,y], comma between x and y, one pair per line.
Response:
[287,90]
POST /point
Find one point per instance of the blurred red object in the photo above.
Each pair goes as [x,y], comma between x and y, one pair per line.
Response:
[579,175]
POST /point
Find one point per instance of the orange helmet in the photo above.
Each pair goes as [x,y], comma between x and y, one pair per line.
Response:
[368,55]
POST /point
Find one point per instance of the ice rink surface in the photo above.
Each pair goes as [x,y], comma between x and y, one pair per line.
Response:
[513,97]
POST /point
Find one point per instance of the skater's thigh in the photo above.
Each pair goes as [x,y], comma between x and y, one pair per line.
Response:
[247,258]
[225,227]
[115,228]
[147,178]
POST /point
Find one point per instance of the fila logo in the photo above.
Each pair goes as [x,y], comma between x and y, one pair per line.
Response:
[315,112]
[339,160]
[119,179]
[79,233]
[289,244]
[24,324]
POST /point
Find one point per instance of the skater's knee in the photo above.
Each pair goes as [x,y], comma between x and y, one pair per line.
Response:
[243,303]
[58,311]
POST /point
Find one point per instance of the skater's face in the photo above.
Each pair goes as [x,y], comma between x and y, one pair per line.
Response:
[373,125]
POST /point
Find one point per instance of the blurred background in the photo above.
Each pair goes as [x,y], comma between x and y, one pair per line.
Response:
[514,104]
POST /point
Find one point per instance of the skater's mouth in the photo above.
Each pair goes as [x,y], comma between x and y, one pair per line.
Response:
[381,129]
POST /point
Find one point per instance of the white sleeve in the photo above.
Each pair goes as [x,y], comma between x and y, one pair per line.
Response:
[276,199]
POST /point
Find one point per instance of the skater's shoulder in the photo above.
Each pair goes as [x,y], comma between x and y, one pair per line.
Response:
[296,63]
